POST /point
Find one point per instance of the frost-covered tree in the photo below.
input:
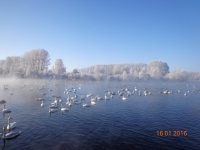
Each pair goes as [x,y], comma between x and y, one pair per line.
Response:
[124,75]
[36,61]
[144,76]
[75,71]
[15,64]
[178,74]
[2,63]
[158,69]
[116,69]
[99,69]
[11,65]
[194,75]
[59,67]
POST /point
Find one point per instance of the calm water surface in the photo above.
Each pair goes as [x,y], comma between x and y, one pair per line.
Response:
[108,125]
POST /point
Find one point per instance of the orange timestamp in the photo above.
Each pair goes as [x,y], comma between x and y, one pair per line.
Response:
[171,133]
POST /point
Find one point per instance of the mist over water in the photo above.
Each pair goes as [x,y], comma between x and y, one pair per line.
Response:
[110,124]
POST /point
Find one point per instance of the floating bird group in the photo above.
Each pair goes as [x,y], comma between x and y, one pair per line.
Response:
[84,100]
[8,131]
[89,99]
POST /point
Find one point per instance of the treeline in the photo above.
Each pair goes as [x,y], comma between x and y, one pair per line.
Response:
[35,64]
[154,70]
[31,64]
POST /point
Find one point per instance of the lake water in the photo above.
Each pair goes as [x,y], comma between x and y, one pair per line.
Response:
[113,124]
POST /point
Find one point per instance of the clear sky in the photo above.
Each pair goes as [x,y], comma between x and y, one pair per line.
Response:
[89,32]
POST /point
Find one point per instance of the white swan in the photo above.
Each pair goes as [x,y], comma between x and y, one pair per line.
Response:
[69,98]
[111,96]
[93,102]
[135,89]
[56,101]
[140,94]
[106,97]
[42,104]
[69,103]
[11,125]
[99,97]
[89,95]
[86,105]
[64,109]
[53,106]
[124,98]
[120,93]
[52,110]
[10,135]
[5,110]
[82,97]
[93,99]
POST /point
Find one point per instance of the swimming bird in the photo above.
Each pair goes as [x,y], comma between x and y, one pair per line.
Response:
[69,103]
[10,135]
[111,96]
[42,104]
[93,102]
[89,95]
[136,89]
[124,98]
[64,109]
[56,101]
[11,125]
[5,110]
[106,97]
[52,110]
[82,97]
[53,106]
[120,93]
[94,99]
[99,97]
[140,93]
[86,105]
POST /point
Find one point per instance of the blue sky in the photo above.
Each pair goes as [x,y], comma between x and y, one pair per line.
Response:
[89,32]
